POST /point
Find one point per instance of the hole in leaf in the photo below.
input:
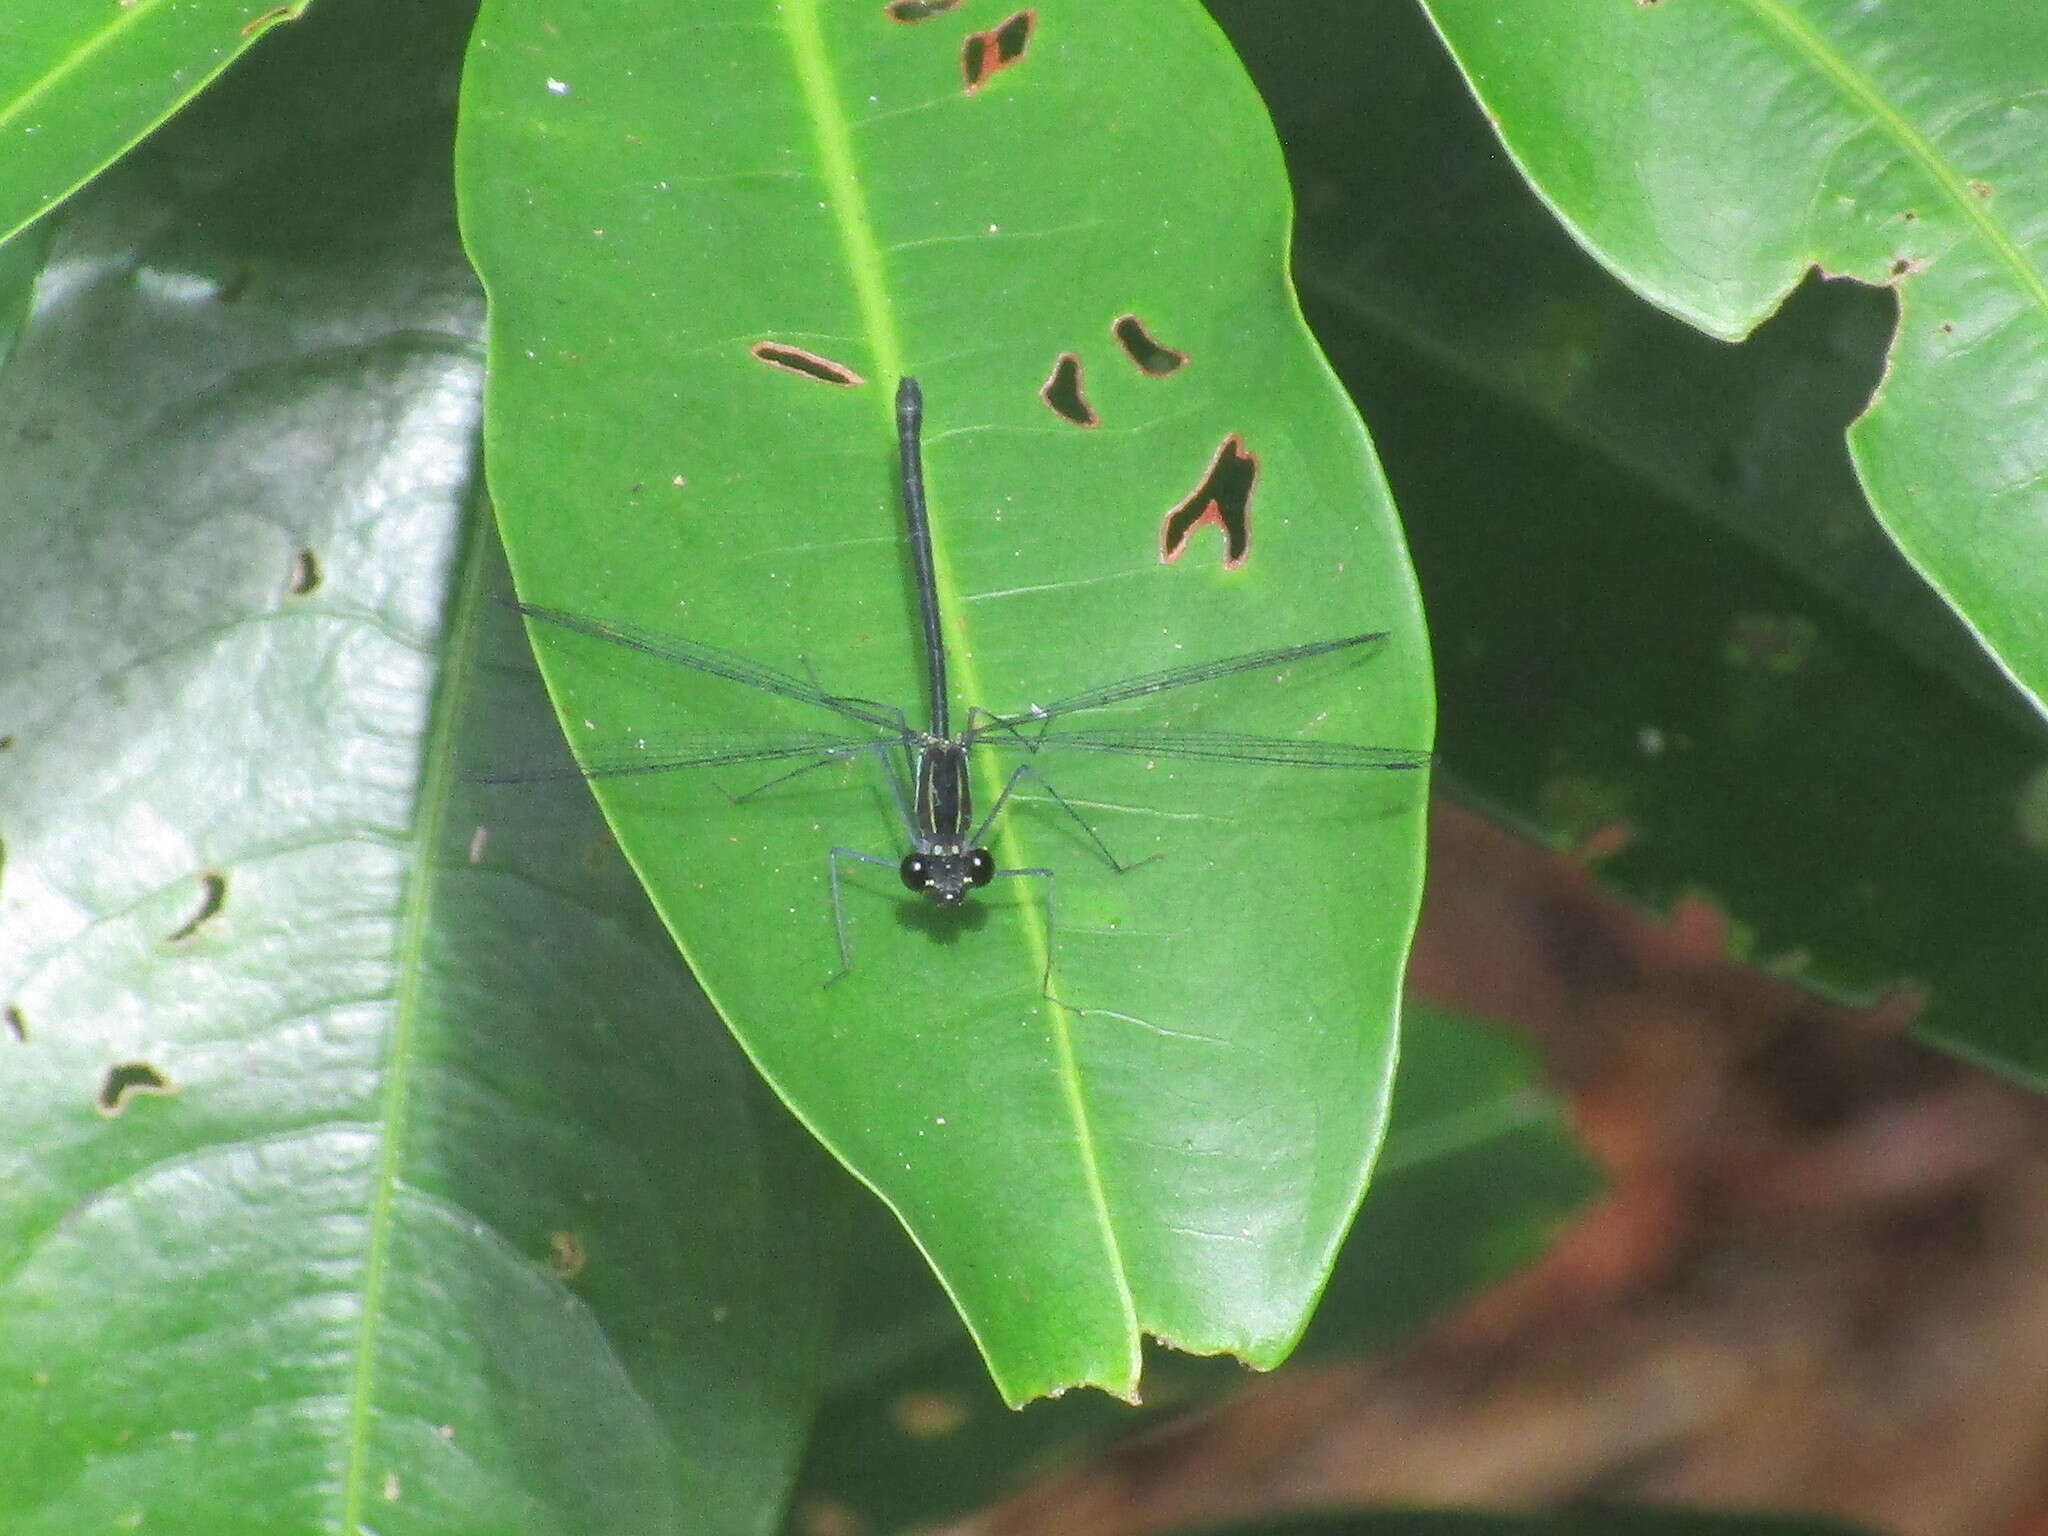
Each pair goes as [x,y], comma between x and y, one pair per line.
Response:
[986,53]
[125,1080]
[1063,392]
[17,1023]
[1224,499]
[305,573]
[1011,37]
[809,364]
[213,890]
[912,11]
[1141,347]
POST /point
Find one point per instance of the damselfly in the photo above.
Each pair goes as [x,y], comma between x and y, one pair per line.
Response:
[928,767]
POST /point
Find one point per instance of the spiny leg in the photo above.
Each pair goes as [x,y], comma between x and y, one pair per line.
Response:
[838,907]
[811,672]
[885,751]
[900,786]
[1060,800]
[783,778]
[1051,928]
[982,722]
[881,749]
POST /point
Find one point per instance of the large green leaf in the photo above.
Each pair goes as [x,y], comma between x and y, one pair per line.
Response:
[908,1436]
[79,84]
[1676,619]
[369,1163]
[1176,1148]
[1711,154]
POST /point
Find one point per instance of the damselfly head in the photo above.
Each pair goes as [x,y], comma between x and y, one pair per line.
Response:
[944,877]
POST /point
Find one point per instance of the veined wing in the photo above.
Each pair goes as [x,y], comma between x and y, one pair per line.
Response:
[1145,683]
[1222,747]
[715,662]
[701,752]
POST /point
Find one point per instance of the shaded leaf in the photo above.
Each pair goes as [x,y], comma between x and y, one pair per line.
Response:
[1899,145]
[341,1185]
[1680,633]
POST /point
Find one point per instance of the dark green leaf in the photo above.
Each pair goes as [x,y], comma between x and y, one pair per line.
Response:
[1899,145]
[1674,617]
[1479,1172]
[1177,1149]
[21,262]
[369,1162]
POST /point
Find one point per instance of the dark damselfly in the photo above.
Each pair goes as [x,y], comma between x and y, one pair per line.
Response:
[927,767]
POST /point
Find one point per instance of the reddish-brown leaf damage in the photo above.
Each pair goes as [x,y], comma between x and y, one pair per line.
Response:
[1142,348]
[809,364]
[1223,500]
[1062,392]
[984,54]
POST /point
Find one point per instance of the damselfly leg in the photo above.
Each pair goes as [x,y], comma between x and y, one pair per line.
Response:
[928,769]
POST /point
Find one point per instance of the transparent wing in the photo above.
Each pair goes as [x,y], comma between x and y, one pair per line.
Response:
[1222,747]
[1145,683]
[700,752]
[714,662]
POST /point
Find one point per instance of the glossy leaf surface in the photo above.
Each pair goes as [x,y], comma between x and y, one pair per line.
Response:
[1681,636]
[332,1198]
[1177,1147]
[80,84]
[909,1435]
[1710,155]
[1887,144]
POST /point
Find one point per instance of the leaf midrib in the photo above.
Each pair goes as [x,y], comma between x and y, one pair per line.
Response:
[437,777]
[824,109]
[1854,84]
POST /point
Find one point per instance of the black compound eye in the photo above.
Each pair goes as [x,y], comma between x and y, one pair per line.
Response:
[914,871]
[981,867]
